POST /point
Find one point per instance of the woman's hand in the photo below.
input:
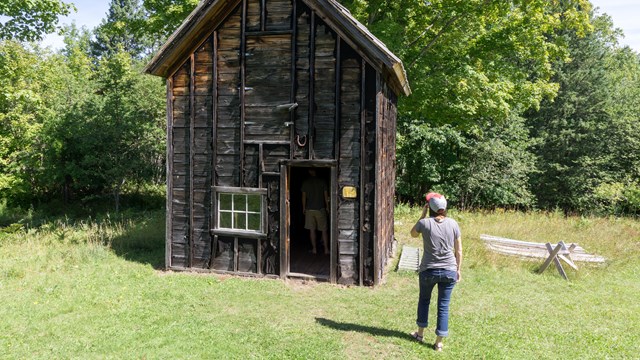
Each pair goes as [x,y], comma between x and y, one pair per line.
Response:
[425,209]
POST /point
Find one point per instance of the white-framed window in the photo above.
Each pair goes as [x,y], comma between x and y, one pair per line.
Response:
[240,210]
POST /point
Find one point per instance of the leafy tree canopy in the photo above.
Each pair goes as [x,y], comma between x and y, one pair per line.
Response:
[164,16]
[475,60]
[29,20]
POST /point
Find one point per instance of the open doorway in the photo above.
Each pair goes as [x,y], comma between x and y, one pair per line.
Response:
[302,260]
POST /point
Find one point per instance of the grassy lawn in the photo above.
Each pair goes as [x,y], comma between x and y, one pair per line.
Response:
[92,289]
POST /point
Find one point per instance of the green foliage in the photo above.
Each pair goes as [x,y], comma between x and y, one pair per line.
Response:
[589,136]
[29,20]
[122,30]
[164,16]
[25,99]
[474,68]
[474,61]
[482,167]
[69,128]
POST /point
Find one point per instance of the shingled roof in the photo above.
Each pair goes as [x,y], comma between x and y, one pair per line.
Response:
[210,13]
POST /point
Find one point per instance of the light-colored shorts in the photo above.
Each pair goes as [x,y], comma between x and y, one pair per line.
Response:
[315,219]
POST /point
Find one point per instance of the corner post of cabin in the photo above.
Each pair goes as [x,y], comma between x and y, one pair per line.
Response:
[363,115]
[243,73]
[293,98]
[379,219]
[169,175]
[312,99]
[284,207]
[333,258]
[192,144]
[214,149]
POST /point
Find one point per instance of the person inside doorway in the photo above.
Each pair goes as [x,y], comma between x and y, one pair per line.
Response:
[315,204]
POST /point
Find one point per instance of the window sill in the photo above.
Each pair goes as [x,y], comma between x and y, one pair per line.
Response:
[239,233]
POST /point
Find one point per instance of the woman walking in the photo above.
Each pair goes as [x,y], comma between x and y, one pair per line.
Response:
[440,264]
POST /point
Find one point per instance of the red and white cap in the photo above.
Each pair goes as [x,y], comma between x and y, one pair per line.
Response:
[436,201]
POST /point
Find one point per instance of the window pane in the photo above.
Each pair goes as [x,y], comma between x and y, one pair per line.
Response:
[225,220]
[254,202]
[239,202]
[225,201]
[254,222]
[240,221]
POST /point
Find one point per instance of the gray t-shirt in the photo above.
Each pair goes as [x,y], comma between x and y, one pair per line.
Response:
[438,241]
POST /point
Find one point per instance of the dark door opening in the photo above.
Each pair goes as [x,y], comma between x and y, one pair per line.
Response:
[302,261]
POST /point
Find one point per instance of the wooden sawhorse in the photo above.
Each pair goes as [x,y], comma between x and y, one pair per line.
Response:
[557,253]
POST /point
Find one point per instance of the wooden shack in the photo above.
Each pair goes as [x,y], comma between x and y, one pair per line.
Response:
[258,92]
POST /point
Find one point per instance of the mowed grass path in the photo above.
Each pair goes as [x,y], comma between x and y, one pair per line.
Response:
[91,290]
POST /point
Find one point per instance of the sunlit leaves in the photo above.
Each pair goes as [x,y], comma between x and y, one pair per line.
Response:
[29,20]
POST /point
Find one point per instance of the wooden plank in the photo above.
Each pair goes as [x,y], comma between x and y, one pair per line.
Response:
[556,261]
[362,169]
[191,152]
[311,92]
[243,85]
[551,257]
[214,123]
[169,160]
[278,14]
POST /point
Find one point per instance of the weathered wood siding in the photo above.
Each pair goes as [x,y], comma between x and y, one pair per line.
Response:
[303,33]
[179,152]
[349,168]
[385,177]
[232,123]
[202,154]
[324,103]
[227,144]
[368,169]
[191,149]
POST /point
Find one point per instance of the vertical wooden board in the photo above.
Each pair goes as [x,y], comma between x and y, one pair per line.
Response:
[253,15]
[279,13]
[247,255]
[273,154]
[203,108]
[202,142]
[181,209]
[181,110]
[181,80]
[227,142]
[251,166]
[324,92]
[201,249]
[223,254]
[303,33]
[201,200]
[203,67]
[179,256]
[268,256]
[348,270]
[181,140]
[180,164]
[273,251]
[267,70]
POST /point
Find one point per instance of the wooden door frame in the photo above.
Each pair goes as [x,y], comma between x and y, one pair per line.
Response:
[285,217]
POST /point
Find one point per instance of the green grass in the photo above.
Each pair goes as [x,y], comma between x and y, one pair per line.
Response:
[91,289]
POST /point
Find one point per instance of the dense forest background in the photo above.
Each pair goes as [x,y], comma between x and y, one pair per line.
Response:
[521,104]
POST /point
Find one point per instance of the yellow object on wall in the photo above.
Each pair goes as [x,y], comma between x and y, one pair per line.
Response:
[349,192]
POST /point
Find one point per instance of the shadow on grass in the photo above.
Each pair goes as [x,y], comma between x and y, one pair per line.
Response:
[375,331]
[143,242]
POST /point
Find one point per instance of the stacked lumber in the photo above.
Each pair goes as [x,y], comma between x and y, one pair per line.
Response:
[536,250]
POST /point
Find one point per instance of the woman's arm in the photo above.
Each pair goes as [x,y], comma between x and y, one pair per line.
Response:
[457,244]
[414,232]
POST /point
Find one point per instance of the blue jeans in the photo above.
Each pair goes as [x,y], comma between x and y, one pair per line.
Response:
[446,280]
